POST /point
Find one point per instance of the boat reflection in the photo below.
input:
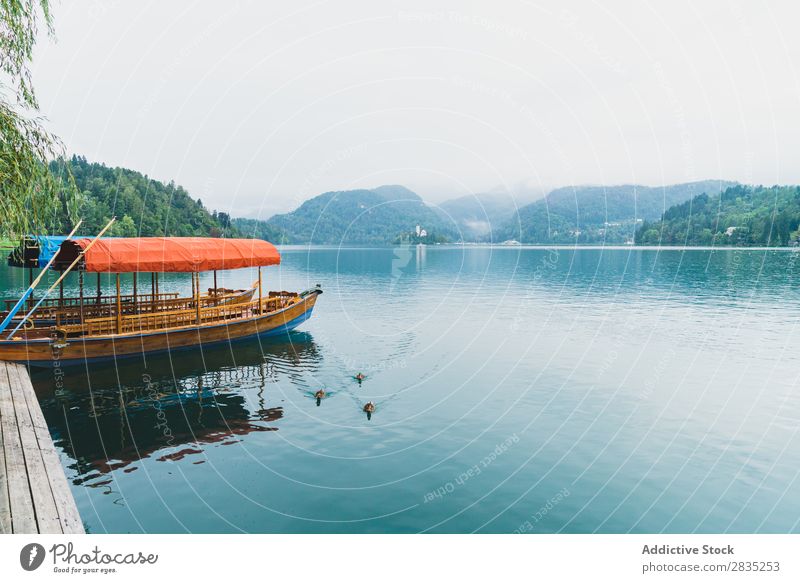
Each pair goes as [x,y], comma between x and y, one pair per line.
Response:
[167,407]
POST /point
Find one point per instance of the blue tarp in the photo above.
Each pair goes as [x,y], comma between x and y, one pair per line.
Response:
[35,251]
[48,247]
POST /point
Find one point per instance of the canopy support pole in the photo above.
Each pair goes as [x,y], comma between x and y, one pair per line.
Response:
[60,303]
[259,291]
[216,289]
[99,292]
[119,308]
[197,296]
[80,294]
[135,294]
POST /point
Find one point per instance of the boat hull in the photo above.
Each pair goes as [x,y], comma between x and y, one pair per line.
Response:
[76,351]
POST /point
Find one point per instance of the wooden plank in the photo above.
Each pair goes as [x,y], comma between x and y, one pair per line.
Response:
[5,503]
[68,519]
[68,514]
[23,519]
[44,503]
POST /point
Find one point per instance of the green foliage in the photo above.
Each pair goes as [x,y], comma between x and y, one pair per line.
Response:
[19,26]
[596,214]
[740,216]
[366,217]
[258,229]
[143,207]
[31,196]
[124,227]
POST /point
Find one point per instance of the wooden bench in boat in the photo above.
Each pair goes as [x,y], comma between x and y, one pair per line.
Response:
[70,311]
[188,316]
[91,299]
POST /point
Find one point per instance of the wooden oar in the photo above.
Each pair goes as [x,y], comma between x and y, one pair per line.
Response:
[63,275]
[32,286]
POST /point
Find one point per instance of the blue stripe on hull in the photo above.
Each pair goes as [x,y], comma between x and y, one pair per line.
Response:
[287,327]
[279,331]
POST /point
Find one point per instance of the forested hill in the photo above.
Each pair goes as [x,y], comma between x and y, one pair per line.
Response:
[696,213]
[597,214]
[741,215]
[369,217]
[143,206]
[258,229]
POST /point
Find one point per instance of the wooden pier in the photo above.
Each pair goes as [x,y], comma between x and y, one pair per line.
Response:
[34,493]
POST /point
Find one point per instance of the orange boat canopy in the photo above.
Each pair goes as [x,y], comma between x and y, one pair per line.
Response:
[168,254]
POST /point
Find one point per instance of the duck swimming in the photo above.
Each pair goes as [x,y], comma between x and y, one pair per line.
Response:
[319,395]
[369,409]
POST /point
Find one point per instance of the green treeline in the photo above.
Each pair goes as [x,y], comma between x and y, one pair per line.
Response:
[144,207]
[700,213]
[740,216]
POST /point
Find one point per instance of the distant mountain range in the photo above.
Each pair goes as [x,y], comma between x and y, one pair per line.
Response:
[597,214]
[367,217]
[694,213]
[573,215]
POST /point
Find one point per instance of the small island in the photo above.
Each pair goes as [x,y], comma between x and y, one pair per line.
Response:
[420,236]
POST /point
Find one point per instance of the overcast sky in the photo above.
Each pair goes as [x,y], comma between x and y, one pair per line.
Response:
[255,106]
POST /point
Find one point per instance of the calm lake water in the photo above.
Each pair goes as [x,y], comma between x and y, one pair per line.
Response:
[536,390]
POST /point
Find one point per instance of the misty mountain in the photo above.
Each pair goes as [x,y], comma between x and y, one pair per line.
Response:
[478,215]
[370,217]
[598,214]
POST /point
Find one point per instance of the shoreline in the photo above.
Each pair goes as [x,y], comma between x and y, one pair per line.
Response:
[671,248]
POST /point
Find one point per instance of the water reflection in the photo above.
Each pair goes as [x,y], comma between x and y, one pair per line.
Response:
[409,271]
[659,386]
[167,407]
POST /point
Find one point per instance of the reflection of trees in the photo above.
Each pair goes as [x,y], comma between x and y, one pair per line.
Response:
[171,405]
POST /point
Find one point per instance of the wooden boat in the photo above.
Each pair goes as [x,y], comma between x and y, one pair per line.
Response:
[79,332]
[36,252]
